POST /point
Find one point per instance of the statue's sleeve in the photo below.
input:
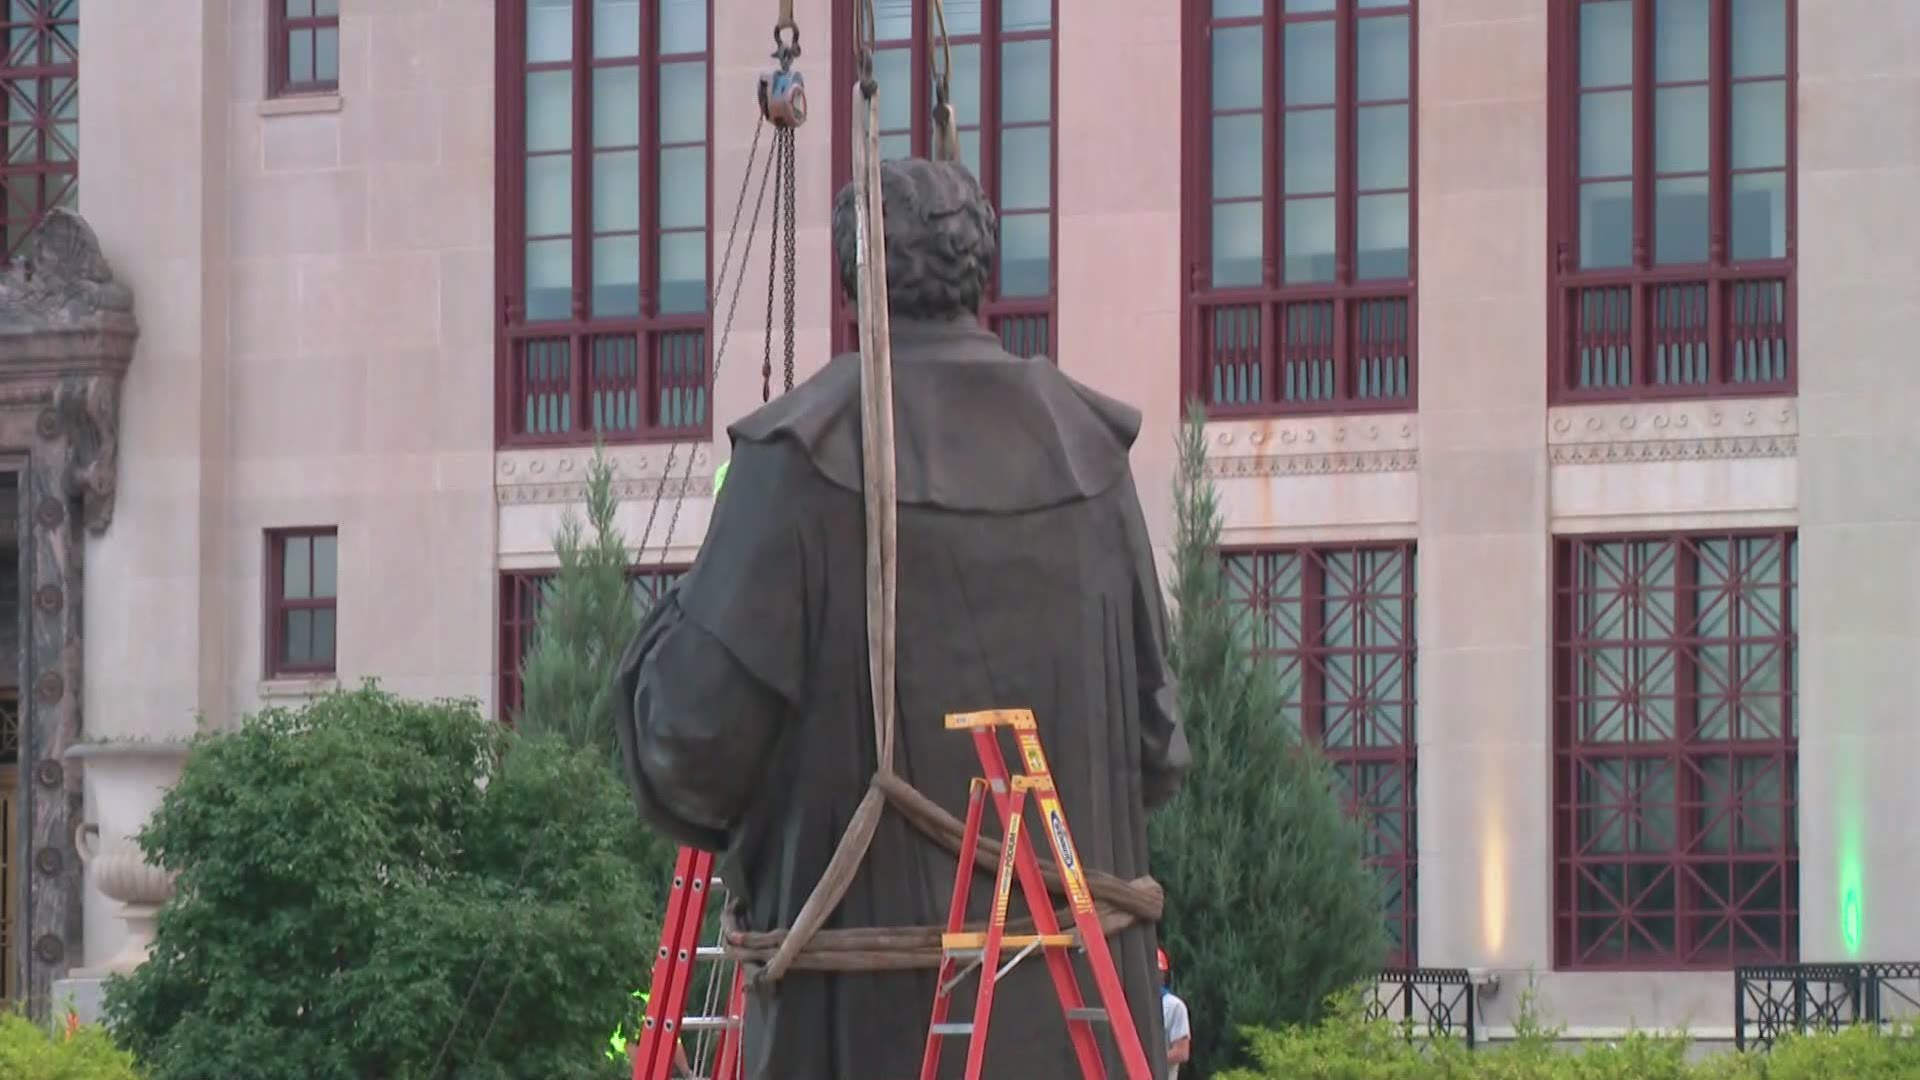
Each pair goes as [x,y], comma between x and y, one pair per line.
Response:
[1164,754]
[714,675]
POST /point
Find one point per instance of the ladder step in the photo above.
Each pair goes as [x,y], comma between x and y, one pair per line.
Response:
[951,1029]
[708,1023]
[975,942]
[1090,1015]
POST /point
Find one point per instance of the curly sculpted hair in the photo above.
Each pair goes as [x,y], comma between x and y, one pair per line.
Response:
[940,238]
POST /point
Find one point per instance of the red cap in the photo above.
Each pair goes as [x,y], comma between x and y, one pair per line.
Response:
[1163,960]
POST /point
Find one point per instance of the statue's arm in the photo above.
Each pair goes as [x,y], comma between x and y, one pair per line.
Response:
[1164,754]
[697,730]
[715,673]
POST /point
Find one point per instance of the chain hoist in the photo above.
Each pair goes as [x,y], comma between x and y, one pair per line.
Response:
[783,103]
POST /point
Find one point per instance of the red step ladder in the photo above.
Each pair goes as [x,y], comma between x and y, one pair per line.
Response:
[673,967]
[967,952]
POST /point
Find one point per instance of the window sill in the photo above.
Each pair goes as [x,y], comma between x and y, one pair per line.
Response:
[300,105]
[297,688]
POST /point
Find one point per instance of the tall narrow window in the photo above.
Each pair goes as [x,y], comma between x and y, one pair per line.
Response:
[521,592]
[1002,90]
[302,602]
[604,217]
[39,75]
[1675,746]
[1299,216]
[1338,624]
[303,51]
[1673,198]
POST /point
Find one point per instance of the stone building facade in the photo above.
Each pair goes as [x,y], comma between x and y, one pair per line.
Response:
[1551,350]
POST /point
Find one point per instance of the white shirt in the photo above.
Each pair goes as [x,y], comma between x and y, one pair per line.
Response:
[1173,1018]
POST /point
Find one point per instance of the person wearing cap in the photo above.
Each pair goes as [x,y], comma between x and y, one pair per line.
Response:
[1173,1019]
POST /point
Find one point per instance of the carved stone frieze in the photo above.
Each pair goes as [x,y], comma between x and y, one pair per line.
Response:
[640,472]
[1673,431]
[1314,446]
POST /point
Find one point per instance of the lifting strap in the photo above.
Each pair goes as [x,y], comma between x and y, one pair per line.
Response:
[877,484]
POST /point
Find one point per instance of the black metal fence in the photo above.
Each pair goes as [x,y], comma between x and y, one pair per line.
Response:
[1776,999]
[1434,1003]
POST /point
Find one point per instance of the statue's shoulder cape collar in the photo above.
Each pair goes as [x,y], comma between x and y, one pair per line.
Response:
[975,428]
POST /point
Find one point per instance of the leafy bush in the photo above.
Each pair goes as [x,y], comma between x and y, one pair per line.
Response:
[28,1052]
[1270,906]
[368,880]
[1347,1047]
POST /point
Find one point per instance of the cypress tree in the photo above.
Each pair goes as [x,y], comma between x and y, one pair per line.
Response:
[1270,907]
[587,615]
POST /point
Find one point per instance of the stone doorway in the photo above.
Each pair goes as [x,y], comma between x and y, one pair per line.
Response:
[66,337]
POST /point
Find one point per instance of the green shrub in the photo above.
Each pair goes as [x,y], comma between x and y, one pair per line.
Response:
[1346,1047]
[1270,906]
[28,1052]
[369,879]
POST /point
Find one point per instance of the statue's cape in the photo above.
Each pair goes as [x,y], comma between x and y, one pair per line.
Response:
[976,429]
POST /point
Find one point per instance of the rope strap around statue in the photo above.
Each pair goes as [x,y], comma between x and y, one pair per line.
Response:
[1121,904]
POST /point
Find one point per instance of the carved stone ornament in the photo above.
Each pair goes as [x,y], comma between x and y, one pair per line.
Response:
[49,861]
[50,513]
[49,773]
[50,949]
[48,598]
[49,688]
[89,408]
[66,336]
[62,278]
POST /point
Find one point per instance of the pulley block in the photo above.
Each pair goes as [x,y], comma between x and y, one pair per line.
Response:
[783,97]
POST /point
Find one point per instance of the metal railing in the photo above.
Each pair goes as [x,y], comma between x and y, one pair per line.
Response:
[1429,1003]
[1776,999]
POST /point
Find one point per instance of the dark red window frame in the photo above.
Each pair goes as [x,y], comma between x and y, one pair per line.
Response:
[1720,327]
[40,125]
[1027,325]
[279,606]
[1675,750]
[579,378]
[520,594]
[316,19]
[1344,346]
[1337,620]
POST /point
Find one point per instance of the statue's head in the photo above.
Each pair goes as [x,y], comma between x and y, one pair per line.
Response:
[940,238]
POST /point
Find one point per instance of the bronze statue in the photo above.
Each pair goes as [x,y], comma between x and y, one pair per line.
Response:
[1026,581]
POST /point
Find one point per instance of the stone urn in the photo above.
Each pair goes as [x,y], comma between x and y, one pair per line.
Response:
[124,783]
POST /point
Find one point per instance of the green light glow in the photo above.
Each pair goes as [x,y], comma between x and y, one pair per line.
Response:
[1853,922]
[720,476]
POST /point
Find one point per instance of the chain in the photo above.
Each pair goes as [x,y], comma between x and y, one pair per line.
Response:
[784,146]
[779,162]
[720,354]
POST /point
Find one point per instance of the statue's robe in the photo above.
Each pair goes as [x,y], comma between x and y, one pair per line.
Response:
[1026,579]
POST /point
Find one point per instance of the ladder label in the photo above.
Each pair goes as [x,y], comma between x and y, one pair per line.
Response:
[1003,888]
[1036,761]
[1063,847]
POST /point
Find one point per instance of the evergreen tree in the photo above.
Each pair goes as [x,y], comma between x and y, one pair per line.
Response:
[587,615]
[1270,907]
